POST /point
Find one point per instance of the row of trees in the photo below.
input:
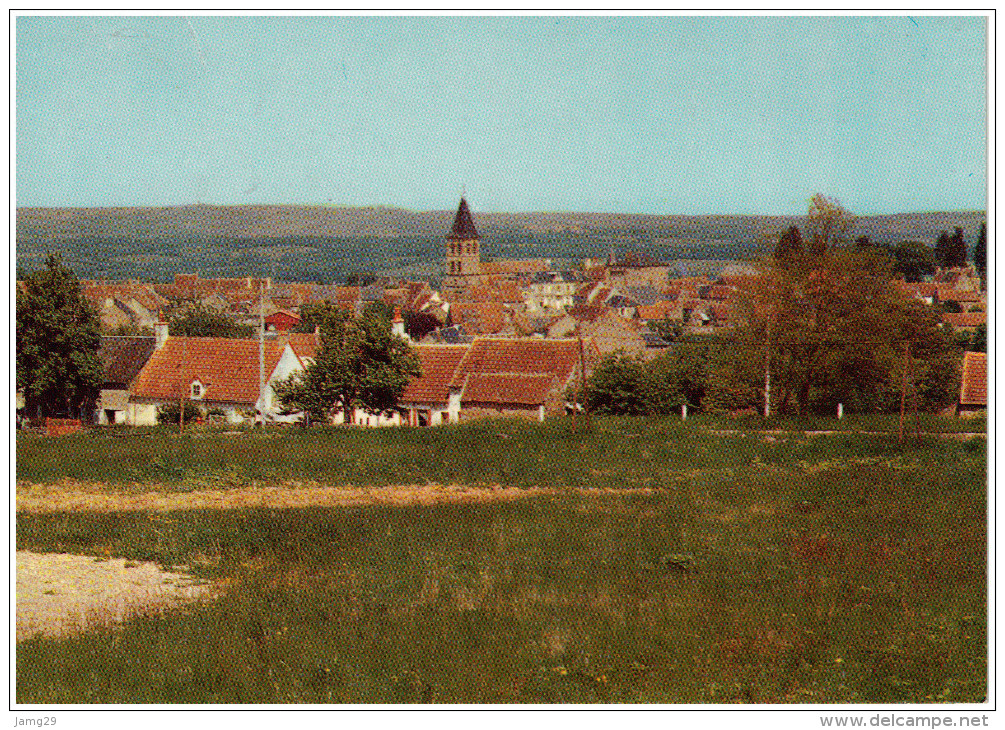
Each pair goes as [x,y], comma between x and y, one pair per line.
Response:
[822,321]
[828,225]
[827,333]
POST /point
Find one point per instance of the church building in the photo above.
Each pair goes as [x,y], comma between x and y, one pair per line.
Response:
[465,269]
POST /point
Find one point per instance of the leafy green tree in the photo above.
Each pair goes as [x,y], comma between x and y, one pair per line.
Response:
[980,342]
[827,225]
[323,315]
[623,385]
[201,322]
[361,364]
[670,330]
[914,260]
[378,310]
[57,334]
[980,253]
[833,329]
[617,386]
[941,252]
[790,245]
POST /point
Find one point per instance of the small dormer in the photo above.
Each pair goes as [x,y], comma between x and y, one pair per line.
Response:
[196,390]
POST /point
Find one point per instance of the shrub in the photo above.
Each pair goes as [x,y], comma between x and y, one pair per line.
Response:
[169,413]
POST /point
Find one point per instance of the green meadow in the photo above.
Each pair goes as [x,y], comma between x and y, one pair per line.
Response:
[711,568]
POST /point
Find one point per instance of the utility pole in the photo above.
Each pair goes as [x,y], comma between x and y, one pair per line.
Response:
[582,380]
[182,386]
[767,371]
[903,389]
[261,349]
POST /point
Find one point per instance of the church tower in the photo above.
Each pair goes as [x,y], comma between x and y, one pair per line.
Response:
[463,261]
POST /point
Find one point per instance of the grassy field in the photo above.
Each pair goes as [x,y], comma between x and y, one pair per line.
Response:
[722,569]
[617,453]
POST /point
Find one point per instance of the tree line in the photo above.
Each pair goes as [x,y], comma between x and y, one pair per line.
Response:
[821,324]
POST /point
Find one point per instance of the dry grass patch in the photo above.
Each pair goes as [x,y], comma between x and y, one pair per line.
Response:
[69,496]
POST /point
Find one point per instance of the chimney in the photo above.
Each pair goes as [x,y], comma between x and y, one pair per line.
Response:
[398,324]
[160,333]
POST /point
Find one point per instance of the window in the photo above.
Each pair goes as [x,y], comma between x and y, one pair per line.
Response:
[196,390]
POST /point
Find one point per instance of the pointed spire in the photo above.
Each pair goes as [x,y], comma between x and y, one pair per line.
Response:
[464,227]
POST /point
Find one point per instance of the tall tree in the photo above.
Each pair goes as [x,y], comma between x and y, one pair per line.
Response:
[58,368]
[827,225]
[914,260]
[980,253]
[361,364]
[941,251]
[790,245]
[957,248]
[832,330]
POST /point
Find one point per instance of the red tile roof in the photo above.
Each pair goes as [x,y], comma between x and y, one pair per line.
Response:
[304,344]
[483,318]
[227,369]
[557,358]
[721,312]
[439,366]
[720,292]
[506,388]
[965,319]
[974,382]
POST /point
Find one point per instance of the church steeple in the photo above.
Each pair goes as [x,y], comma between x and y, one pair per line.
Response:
[463,260]
[464,227]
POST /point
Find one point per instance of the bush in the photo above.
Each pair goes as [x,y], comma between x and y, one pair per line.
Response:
[169,413]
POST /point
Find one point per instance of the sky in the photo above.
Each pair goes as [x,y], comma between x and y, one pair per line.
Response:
[662,115]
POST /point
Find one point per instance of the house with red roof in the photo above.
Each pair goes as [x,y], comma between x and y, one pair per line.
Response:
[213,373]
[973,385]
[122,359]
[520,377]
[490,377]
[433,398]
[281,321]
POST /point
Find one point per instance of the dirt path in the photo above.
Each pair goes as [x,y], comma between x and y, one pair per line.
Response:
[70,496]
[59,594]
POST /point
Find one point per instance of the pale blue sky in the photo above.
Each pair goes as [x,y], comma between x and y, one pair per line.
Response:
[667,115]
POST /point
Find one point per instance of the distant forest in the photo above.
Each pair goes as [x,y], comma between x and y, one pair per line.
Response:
[331,244]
